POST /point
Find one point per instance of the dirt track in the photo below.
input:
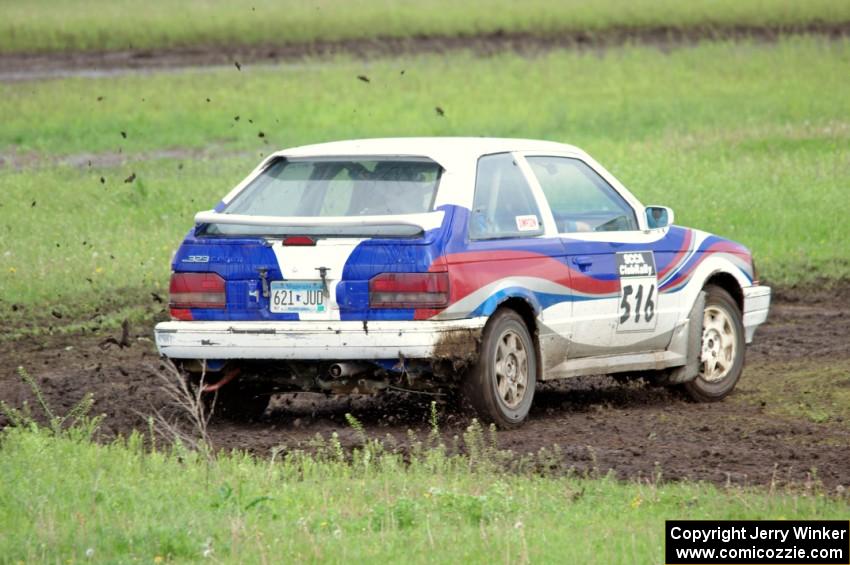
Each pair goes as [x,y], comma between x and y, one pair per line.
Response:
[599,425]
[28,66]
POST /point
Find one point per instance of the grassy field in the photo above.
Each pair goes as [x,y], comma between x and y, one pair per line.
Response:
[54,25]
[719,94]
[713,131]
[750,141]
[64,499]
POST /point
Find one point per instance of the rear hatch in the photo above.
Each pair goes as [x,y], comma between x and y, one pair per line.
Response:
[305,239]
[328,279]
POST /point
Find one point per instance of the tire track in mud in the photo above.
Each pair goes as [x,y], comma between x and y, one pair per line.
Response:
[34,66]
[111,159]
[633,431]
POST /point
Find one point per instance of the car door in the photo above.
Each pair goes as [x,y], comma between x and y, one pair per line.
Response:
[612,259]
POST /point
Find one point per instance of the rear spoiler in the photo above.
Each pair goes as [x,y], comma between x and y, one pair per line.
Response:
[426,221]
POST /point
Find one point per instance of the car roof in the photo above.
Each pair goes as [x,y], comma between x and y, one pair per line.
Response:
[446,151]
[458,157]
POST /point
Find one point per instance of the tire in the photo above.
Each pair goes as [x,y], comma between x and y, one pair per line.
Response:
[722,352]
[507,357]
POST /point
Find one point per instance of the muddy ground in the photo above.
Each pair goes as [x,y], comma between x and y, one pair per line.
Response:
[633,430]
[28,66]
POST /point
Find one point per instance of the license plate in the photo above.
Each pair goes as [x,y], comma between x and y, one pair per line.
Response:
[297,296]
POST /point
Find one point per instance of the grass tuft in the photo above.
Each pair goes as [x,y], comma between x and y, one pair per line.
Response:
[76,424]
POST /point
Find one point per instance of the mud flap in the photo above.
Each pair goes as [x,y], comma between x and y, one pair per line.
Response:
[690,369]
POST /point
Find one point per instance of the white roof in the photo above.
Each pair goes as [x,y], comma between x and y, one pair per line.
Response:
[457,155]
[447,151]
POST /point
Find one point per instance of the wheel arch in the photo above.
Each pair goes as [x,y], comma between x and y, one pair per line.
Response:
[522,307]
[729,283]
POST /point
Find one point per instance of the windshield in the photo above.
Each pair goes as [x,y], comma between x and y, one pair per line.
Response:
[335,188]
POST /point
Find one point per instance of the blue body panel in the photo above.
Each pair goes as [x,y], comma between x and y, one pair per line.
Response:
[471,264]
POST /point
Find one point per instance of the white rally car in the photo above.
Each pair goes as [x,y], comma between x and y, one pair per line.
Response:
[469,264]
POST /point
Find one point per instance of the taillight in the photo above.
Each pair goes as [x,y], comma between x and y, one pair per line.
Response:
[196,290]
[409,290]
[299,240]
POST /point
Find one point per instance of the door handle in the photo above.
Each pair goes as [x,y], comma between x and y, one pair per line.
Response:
[583,263]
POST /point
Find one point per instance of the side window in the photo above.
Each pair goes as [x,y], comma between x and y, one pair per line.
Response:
[503,205]
[580,199]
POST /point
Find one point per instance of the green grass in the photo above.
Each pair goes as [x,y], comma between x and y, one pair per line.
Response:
[55,25]
[815,392]
[713,131]
[781,195]
[64,499]
[99,245]
[714,93]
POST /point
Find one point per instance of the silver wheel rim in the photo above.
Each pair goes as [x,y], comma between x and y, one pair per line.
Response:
[511,368]
[719,344]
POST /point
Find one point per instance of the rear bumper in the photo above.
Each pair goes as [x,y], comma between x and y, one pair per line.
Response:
[756,306]
[320,340]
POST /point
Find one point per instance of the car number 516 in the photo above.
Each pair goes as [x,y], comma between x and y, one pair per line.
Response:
[638,302]
[638,291]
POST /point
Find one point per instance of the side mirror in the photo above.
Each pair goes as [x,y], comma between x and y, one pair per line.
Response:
[658,217]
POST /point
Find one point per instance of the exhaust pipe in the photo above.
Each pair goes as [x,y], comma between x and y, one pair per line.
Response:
[340,370]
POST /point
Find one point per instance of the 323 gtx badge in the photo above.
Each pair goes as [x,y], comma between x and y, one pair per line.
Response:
[638,291]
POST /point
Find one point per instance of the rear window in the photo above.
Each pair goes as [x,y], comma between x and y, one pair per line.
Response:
[335,188]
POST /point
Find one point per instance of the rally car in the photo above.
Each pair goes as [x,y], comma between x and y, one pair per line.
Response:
[472,266]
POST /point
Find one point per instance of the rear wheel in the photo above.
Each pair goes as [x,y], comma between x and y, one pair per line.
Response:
[500,387]
[722,351]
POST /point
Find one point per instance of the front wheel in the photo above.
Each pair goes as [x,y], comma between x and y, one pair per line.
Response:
[722,351]
[500,387]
